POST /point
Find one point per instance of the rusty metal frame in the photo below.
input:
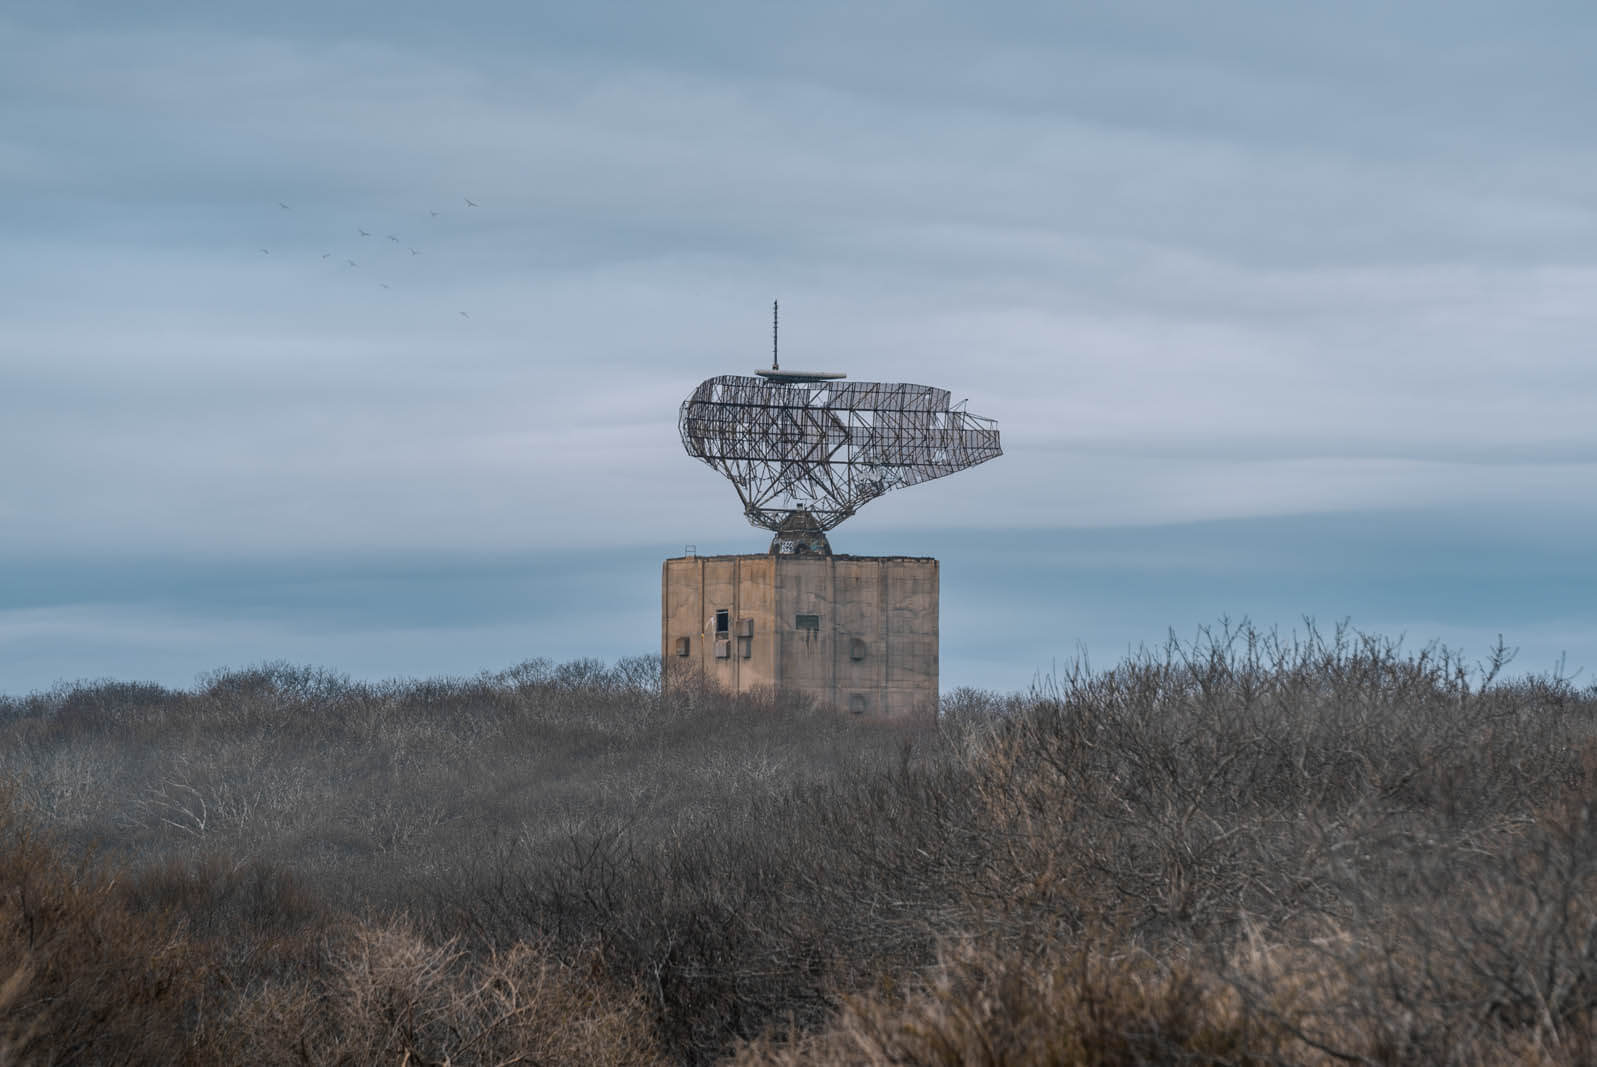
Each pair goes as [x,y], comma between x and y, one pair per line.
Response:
[828,447]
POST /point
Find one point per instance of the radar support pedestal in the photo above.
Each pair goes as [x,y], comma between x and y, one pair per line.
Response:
[800,535]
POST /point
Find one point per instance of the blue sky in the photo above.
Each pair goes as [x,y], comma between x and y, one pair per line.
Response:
[1283,311]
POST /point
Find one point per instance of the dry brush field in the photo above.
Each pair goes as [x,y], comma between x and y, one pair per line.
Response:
[1244,849]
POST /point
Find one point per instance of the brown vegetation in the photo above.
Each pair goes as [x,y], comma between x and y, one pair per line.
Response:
[1239,850]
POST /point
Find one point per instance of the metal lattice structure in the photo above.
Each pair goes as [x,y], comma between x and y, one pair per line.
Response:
[791,442]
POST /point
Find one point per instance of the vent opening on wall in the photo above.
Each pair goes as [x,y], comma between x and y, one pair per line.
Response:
[806,622]
[723,649]
[856,649]
[859,703]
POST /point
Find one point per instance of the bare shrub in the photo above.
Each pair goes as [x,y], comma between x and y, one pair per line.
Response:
[87,980]
[1254,849]
[1247,847]
[1085,1007]
[388,995]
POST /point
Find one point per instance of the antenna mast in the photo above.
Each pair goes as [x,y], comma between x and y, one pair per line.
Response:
[774,364]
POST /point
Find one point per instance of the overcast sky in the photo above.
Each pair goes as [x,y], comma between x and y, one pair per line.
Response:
[1282,310]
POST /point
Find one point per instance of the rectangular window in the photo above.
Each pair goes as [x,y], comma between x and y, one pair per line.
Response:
[746,647]
[683,646]
[806,622]
[723,622]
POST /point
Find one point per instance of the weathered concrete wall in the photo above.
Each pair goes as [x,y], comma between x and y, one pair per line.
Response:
[858,633]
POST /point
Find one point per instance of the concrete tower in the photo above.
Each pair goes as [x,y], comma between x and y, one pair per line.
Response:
[858,633]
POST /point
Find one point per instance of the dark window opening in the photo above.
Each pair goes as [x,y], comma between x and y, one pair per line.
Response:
[723,622]
[682,646]
[859,703]
[806,622]
[856,649]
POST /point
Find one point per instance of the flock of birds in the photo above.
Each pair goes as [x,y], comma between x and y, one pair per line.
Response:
[361,232]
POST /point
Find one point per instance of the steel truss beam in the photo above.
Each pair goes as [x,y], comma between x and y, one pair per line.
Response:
[828,446]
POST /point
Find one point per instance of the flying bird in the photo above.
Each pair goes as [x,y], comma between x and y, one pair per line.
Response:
[326,254]
[362,232]
[464,315]
[414,252]
[264,252]
[351,262]
[282,205]
[385,285]
[393,238]
[434,214]
[469,202]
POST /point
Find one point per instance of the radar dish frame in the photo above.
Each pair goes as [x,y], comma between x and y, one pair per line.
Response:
[797,442]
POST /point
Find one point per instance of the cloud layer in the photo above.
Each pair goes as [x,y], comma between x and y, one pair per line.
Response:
[1202,264]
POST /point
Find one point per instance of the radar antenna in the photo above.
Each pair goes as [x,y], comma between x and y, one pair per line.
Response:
[805,450]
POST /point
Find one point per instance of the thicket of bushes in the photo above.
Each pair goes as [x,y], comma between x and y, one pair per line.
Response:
[1242,849]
